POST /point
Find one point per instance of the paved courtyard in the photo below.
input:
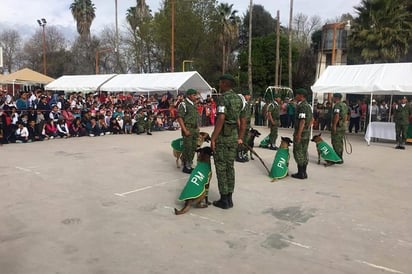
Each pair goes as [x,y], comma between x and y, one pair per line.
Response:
[104,205]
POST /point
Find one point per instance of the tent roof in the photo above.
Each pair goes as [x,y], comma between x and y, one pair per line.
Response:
[25,76]
[173,81]
[79,83]
[390,78]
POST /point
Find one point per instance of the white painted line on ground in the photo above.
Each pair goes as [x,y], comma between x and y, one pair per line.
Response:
[27,170]
[296,244]
[379,267]
[147,187]
[198,216]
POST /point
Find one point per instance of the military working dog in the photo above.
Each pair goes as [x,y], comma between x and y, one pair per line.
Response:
[325,151]
[280,166]
[177,146]
[197,186]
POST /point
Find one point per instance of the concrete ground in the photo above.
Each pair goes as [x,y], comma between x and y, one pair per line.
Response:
[105,205]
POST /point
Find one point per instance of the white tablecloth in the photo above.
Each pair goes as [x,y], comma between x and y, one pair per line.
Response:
[381,130]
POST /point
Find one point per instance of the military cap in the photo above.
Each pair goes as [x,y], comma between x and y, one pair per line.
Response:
[246,92]
[227,77]
[337,95]
[301,91]
[191,91]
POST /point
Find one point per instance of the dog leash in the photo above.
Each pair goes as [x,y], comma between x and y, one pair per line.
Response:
[260,159]
[347,144]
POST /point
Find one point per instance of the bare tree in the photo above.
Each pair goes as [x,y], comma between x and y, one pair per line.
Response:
[304,27]
[10,41]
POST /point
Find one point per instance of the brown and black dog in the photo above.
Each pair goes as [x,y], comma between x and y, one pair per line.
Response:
[253,133]
[197,186]
[203,137]
[325,151]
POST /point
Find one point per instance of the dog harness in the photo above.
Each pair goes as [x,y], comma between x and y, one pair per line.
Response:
[327,152]
[198,179]
[280,164]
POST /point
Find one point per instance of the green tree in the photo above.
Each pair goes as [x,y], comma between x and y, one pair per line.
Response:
[382,31]
[83,12]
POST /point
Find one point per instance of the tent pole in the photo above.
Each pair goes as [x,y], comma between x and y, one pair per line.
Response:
[370,118]
[313,107]
[390,109]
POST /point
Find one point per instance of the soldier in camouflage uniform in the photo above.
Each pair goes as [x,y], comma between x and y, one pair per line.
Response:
[241,155]
[339,121]
[273,116]
[143,122]
[225,139]
[402,112]
[187,117]
[301,135]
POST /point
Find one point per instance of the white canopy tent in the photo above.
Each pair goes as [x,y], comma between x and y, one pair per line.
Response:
[158,82]
[379,79]
[374,79]
[79,83]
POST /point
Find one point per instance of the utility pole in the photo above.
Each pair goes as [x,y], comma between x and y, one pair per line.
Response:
[249,65]
[172,62]
[290,43]
[42,23]
[277,48]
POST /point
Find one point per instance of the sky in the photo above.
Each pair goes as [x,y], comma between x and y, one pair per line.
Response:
[22,15]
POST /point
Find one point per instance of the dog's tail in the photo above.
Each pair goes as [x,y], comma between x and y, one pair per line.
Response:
[182,211]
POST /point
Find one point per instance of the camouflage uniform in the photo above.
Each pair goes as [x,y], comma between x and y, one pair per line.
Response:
[300,150]
[273,110]
[341,109]
[401,119]
[230,104]
[143,123]
[188,112]
[241,154]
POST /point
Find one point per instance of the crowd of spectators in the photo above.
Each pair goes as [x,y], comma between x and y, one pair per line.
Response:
[39,115]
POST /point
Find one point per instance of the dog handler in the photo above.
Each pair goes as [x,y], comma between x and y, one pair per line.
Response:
[339,118]
[301,135]
[274,121]
[187,117]
[225,139]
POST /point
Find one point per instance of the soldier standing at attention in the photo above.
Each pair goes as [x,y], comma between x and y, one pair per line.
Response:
[273,115]
[225,139]
[247,109]
[187,117]
[401,114]
[301,135]
[339,121]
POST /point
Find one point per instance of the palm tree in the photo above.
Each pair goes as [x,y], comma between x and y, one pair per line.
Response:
[229,31]
[137,17]
[382,31]
[83,12]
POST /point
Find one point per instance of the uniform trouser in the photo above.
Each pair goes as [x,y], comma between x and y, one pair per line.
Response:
[401,132]
[300,152]
[337,142]
[224,163]
[189,146]
[273,135]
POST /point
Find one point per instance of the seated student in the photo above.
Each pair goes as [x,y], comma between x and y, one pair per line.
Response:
[127,123]
[76,129]
[114,126]
[62,129]
[102,125]
[34,133]
[51,129]
[22,133]
[93,128]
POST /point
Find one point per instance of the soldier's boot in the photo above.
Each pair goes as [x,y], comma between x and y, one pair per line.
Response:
[305,175]
[300,174]
[223,203]
[187,168]
[340,156]
[229,199]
